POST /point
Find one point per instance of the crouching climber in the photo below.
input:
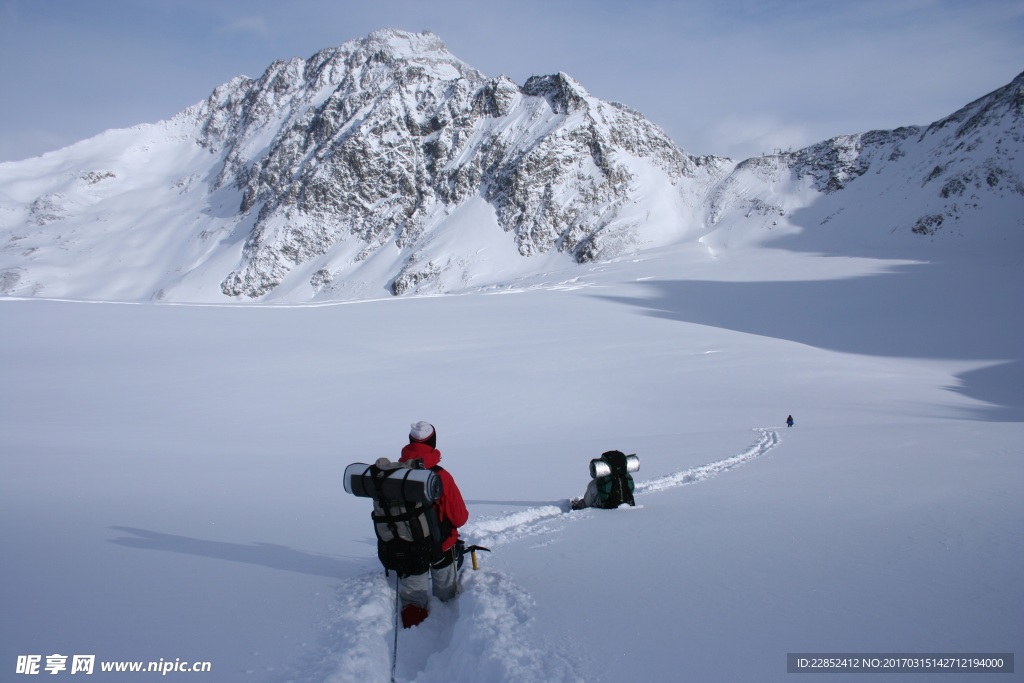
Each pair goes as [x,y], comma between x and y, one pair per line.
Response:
[611,483]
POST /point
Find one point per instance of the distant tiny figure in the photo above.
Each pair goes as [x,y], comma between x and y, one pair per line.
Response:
[789,421]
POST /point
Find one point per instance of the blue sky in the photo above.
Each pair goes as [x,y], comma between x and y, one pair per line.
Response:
[728,77]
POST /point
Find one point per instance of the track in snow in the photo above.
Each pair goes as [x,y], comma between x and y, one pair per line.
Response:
[767,440]
[486,633]
[545,519]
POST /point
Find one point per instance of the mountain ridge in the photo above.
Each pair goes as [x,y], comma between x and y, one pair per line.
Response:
[387,165]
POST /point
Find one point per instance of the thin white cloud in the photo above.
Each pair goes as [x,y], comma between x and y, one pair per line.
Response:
[742,137]
[255,25]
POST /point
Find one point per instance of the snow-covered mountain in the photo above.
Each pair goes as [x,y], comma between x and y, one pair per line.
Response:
[959,181]
[388,166]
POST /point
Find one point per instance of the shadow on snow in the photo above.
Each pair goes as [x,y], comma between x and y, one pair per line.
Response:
[263,554]
[925,311]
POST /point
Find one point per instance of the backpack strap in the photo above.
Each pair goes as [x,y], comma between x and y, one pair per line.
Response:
[445,526]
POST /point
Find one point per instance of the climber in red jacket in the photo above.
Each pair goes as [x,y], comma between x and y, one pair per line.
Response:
[451,512]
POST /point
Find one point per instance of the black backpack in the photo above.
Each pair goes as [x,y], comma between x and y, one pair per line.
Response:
[615,487]
[409,535]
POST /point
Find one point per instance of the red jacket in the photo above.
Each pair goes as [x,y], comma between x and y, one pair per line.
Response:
[450,506]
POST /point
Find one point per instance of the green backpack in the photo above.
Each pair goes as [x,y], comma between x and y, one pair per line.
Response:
[615,486]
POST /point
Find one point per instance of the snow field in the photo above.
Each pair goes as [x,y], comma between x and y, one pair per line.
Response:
[171,477]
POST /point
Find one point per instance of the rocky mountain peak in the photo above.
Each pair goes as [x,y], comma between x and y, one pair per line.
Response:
[395,45]
[399,134]
[563,94]
[388,164]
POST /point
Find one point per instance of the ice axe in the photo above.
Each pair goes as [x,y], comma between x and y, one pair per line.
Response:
[472,554]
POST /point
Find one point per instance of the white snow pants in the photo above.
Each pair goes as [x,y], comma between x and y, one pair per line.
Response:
[415,589]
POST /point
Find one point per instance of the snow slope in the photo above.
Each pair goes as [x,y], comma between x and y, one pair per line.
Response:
[171,475]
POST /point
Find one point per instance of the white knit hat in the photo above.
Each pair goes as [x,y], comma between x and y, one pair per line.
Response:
[421,431]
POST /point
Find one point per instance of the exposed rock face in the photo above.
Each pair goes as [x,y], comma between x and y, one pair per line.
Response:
[370,140]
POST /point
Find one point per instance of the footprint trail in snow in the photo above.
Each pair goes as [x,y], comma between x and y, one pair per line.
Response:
[484,634]
[545,519]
